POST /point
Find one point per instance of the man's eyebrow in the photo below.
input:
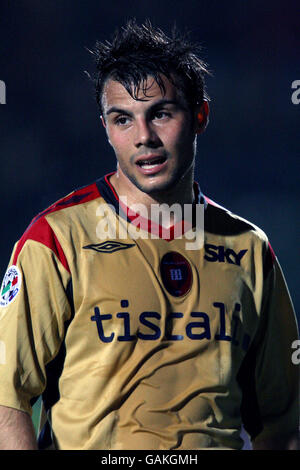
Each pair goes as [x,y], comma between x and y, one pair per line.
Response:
[165,102]
[177,103]
[158,104]
[115,109]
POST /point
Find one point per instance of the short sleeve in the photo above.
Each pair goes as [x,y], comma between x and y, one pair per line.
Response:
[270,404]
[34,307]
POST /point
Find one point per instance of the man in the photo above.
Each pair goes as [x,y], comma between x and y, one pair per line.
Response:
[134,340]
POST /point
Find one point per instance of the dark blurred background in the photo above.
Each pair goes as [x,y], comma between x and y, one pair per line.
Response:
[51,140]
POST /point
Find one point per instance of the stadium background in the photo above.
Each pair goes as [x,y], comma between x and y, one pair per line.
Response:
[51,140]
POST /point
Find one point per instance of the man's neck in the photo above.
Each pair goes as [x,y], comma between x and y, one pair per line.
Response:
[131,196]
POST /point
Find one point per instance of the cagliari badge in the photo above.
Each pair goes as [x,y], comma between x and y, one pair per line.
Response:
[10,286]
[176,273]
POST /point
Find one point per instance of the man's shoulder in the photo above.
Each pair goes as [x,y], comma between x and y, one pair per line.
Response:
[42,227]
[220,220]
[75,198]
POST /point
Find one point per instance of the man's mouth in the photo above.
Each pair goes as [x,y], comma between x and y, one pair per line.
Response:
[151,162]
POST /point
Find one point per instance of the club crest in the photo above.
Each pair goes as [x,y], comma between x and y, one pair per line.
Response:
[176,274]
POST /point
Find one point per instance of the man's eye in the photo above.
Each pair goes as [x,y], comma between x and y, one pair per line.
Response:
[161,115]
[121,120]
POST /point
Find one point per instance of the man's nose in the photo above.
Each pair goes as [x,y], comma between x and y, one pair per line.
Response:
[145,134]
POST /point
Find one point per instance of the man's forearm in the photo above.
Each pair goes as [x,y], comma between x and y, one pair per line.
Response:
[16,430]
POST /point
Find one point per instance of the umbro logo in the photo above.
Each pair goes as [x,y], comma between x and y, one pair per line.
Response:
[108,246]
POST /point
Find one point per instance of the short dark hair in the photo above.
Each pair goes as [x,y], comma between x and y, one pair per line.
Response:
[137,51]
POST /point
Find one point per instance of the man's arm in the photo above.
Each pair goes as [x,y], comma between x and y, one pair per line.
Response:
[288,442]
[269,378]
[16,430]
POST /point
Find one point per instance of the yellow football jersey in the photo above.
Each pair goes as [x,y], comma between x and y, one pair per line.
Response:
[136,342]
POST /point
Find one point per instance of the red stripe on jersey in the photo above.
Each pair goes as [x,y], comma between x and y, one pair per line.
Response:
[213,203]
[80,196]
[41,232]
[110,185]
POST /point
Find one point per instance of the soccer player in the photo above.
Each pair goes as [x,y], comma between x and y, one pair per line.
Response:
[136,337]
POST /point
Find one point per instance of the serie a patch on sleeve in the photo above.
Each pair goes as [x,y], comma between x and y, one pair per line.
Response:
[10,286]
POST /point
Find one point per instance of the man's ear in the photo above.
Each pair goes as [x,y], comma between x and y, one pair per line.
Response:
[103,121]
[202,117]
[104,125]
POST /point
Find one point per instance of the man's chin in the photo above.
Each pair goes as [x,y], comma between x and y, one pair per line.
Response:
[156,188]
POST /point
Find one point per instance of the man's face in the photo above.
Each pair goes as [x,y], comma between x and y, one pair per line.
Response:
[155,139]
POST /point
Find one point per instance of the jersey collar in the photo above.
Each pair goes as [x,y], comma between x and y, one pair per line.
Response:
[110,195]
